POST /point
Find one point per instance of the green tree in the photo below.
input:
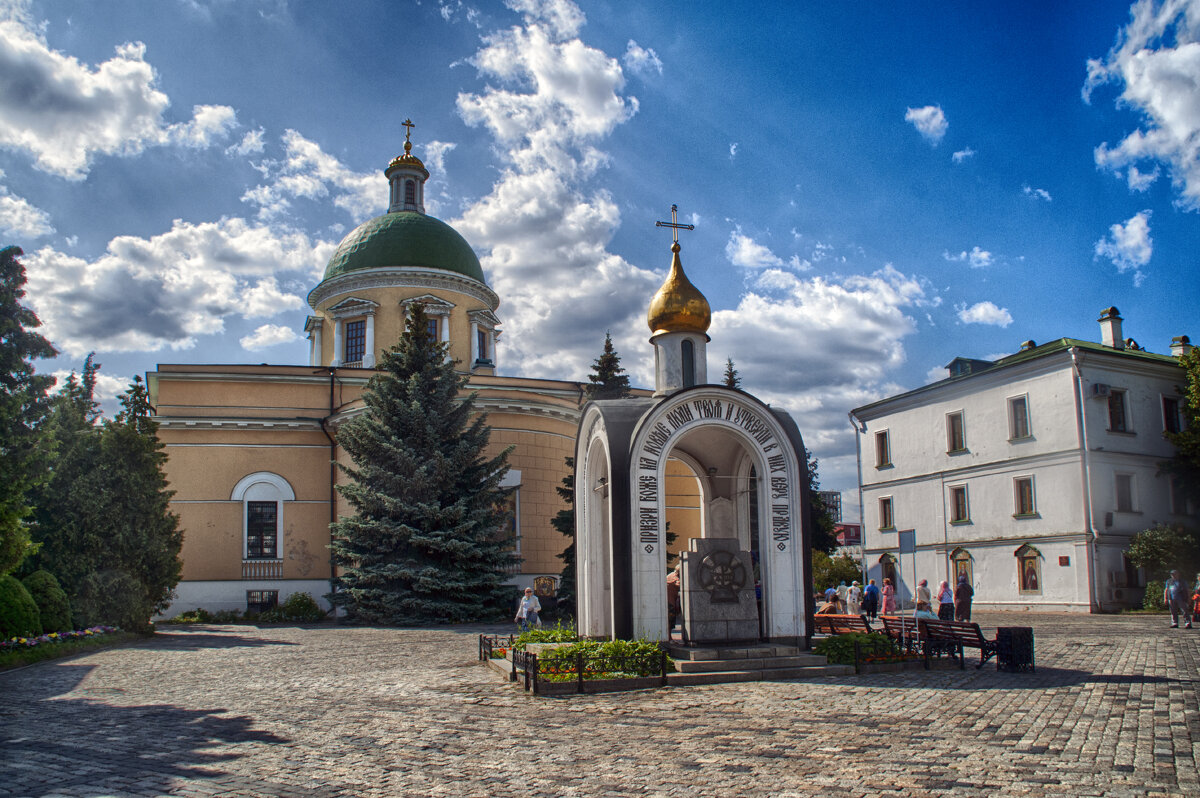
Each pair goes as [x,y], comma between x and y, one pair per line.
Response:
[608,378]
[824,535]
[427,542]
[832,571]
[1162,548]
[732,380]
[23,405]
[104,520]
[1184,467]
[564,522]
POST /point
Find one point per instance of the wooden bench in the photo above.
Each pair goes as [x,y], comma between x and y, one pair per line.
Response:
[953,636]
[841,624]
[904,631]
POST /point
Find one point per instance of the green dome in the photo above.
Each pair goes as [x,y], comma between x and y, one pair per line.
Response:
[405,238]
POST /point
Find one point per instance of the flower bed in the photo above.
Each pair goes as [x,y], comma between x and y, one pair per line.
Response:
[17,643]
[19,651]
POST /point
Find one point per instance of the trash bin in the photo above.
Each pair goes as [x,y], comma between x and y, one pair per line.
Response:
[1014,648]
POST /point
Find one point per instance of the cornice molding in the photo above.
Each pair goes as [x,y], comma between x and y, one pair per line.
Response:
[402,277]
[256,424]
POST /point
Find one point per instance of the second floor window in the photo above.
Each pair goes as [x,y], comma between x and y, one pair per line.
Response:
[883,449]
[885,514]
[1018,417]
[432,330]
[482,339]
[1023,493]
[1171,419]
[959,512]
[1116,412]
[956,439]
[356,341]
[1124,484]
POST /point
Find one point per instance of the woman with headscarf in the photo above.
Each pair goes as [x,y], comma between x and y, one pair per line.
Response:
[854,599]
[945,597]
[889,597]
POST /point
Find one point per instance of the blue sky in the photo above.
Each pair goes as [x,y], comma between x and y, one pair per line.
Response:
[876,188]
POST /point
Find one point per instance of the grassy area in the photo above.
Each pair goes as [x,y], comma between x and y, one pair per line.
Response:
[17,658]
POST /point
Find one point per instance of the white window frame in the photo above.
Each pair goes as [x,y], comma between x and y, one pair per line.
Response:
[962,428]
[1117,477]
[966,519]
[891,511]
[1163,399]
[1017,496]
[883,459]
[1012,418]
[263,486]
[1126,416]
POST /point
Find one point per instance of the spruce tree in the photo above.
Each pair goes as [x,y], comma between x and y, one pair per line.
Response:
[608,378]
[23,404]
[427,542]
[732,380]
[824,535]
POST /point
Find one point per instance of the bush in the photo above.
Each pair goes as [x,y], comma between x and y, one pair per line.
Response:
[51,600]
[555,634]
[635,657]
[1153,600]
[114,598]
[839,649]
[19,616]
[298,608]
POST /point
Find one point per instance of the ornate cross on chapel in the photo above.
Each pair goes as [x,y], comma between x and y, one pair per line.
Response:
[675,225]
[407,123]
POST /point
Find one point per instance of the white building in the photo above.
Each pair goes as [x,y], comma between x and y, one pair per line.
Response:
[1028,474]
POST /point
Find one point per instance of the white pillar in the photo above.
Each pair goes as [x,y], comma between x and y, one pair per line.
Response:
[368,361]
[337,343]
[445,325]
[492,339]
[475,353]
[314,354]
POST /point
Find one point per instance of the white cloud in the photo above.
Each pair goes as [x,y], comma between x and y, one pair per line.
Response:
[929,121]
[268,335]
[1139,181]
[20,218]
[307,172]
[108,387]
[251,143]
[63,112]
[984,313]
[962,155]
[977,258]
[549,99]
[1129,245]
[1036,193]
[147,294]
[641,60]
[936,374]
[1156,64]
[744,251]
[733,148]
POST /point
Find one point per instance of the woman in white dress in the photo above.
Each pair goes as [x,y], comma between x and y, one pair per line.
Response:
[854,599]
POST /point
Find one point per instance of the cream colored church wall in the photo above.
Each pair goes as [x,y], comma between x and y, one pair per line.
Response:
[683,505]
[209,473]
[213,540]
[244,397]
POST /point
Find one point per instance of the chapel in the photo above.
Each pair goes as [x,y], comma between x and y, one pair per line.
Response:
[252,449]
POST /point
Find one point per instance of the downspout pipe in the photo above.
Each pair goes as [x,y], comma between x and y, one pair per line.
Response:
[859,428]
[325,424]
[1081,427]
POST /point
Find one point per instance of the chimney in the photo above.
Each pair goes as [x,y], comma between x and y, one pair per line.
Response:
[1110,328]
[1027,345]
[1180,345]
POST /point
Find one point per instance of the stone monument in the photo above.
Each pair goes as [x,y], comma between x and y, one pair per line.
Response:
[717,592]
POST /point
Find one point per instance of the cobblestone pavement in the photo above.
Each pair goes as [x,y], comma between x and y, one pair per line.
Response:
[226,710]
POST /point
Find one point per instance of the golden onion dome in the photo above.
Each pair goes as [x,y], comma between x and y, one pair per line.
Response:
[407,159]
[678,306]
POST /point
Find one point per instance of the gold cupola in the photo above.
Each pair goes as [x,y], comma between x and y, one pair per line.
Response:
[678,306]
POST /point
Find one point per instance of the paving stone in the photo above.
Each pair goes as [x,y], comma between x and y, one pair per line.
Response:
[326,711]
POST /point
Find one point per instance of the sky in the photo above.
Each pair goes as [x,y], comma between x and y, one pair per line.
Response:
[876,188]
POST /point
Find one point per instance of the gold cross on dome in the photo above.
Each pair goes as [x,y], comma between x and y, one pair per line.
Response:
[408,123]
[675,225]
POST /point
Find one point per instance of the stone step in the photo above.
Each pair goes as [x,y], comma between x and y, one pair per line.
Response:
[732,652]
[755,664]
[777,674]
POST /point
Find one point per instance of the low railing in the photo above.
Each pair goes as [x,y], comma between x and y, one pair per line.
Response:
[489,645]
[581,668]
[262,569]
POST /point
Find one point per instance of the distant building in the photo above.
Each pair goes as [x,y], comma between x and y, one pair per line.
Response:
[832,499]
[848,535]
[1027,475]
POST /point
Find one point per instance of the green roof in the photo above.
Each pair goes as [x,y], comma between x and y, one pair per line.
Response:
[1048,348]
[405,238]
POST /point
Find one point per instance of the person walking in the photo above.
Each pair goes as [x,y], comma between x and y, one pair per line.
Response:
[854,599]
[843,594]
[889,597]
[1177,598]
[963,594]
[923,593]
[871,600]
[945,597]
[527,611]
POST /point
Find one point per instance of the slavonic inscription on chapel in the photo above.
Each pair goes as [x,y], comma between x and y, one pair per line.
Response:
[697,411]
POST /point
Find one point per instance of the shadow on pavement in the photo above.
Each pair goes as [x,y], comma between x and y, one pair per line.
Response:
[83,745]
[186,638]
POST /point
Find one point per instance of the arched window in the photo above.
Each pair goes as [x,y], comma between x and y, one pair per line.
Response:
[1029,569]
[262,496]
[887,568]
[688,352]
[410,192]
[961,564]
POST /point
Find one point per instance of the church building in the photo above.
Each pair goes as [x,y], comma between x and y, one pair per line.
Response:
[252,448]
